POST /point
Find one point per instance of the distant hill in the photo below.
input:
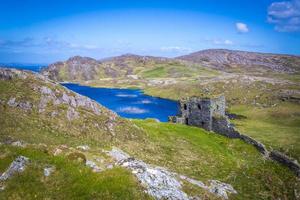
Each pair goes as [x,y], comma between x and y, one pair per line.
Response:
[130,66]
[125,66]
[223,59]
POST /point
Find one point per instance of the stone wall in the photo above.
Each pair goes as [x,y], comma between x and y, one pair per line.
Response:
[210,115]
[218,106]
[221,125]
[224,127]
[200,113]
[285,160]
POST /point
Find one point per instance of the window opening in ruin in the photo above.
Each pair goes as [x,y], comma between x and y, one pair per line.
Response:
[199,107]
[185,107]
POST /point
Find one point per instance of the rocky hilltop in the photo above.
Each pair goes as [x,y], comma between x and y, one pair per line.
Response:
[64,110]
[77,67]
[223,59]
[126,66]
[130,66]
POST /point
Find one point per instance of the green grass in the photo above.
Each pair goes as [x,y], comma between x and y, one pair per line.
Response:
[186,150]
[277,127]
[69,181]
[203,155]
[157,72]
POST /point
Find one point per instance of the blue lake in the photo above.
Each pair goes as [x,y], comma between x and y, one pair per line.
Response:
[126,102]
[129,103]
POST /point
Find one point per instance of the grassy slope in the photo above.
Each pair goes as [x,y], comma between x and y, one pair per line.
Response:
[186,150]
[278,127]
[203,155]
[149,68]
[70,180]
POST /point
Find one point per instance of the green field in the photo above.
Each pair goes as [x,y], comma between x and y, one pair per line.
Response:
[277,127]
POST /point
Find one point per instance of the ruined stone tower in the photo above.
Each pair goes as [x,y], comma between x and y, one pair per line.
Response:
[199,112]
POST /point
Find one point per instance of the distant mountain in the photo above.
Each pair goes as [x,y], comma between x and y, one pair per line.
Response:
[140,67]
[125,66]
[223,59]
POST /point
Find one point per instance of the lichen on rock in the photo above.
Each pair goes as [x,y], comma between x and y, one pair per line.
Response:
[163,184]
[17,166]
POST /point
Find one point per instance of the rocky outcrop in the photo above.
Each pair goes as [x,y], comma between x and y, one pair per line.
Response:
[72,99]
[48,170]
[78,68]
[51,100]
[9,74]
[163,184]
[22,105]
[17,166]
[93,166]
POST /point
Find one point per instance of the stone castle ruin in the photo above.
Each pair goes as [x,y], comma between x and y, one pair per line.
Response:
[209,114]
[202,112]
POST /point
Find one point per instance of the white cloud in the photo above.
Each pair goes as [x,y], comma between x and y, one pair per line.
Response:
[126,95]
[132,110]
[175,49]
[285,15]
[222,42]
[242,27]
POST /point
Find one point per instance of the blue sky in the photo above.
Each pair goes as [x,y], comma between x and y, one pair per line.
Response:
[36,31]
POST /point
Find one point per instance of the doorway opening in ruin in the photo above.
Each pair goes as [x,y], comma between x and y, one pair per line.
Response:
[186,121]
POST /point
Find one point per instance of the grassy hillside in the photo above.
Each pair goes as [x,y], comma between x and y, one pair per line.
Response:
[277,127]
[77,69]
[186,150]
[257,91]
[71,180]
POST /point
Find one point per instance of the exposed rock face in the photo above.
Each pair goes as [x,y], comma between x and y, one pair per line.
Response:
[216,187]
[50,99]
[162,184]
[49,170]
[74,101]
[23,105]
[93,166]
[18,144]
[83,147]
[17,166]
[224,59]
[8,74]
[79,68]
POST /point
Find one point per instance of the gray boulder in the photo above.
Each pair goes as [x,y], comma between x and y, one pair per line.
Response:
[17,166]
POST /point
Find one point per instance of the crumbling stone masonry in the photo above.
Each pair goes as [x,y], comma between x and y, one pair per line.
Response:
[200,112]
[210,114]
